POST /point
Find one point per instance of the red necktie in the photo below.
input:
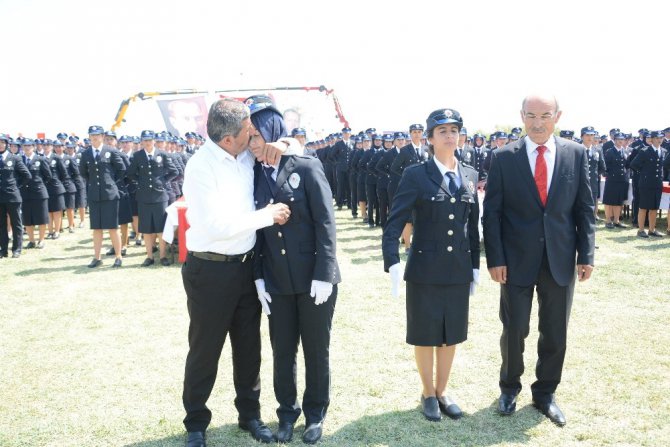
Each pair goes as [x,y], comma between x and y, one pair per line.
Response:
[541,174]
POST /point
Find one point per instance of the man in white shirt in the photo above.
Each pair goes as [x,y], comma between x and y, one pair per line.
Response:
[218,273]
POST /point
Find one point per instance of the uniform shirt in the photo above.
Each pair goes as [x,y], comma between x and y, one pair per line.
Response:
[443,170]
[549,157]
[219,190]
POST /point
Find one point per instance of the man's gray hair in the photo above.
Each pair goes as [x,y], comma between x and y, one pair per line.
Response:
[523,103]
[225,118]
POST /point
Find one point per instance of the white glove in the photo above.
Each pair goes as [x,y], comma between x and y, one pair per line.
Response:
[321,290]
[263,296]
[475,281]
[396,276]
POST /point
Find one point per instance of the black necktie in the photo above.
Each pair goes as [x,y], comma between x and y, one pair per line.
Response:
[452,183]
[418,155]
[151,157]
[2,160]
[97,155]
[269,170]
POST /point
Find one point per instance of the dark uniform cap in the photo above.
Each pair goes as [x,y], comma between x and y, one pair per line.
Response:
[47,141]
[125,139]
[257,103]
[567,134]
[603,137]
[501,134]
[588,130]
[628,135]
[615,130]
[657,134]
[358,139]
[73,139]
[136,139]
[189,135]
[110,133]
[619,136]
[643,130]
[58,143]
[298,131]
[161,136]
[4,137]
[370,130]
[96,130]
[416,127]
[25,142]
[666,130]
[513,137]
[346,129]
[388,137]
[61,136]
[478,135]
[69,145]
[443,116]
[463,131]
[516,130]
[377,137]
[399,136]
[148,135]
[87,141]
[367,138]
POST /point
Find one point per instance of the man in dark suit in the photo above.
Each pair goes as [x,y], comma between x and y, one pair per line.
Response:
[100,166]
[538,217]
[13,174]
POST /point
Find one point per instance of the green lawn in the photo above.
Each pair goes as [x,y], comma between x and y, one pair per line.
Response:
[96,357]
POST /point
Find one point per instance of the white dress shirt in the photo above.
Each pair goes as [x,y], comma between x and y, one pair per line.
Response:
[219,190]
[549,157]
[443,170]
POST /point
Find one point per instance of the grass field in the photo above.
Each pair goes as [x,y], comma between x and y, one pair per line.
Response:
[96,357]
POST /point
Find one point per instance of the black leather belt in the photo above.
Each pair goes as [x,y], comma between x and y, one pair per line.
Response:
[209,256]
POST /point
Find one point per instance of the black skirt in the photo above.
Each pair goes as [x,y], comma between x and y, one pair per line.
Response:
[104,215]
[437,314]
[616,193]
[69,198]
[650,198]
[151,217]
[35,212]
[125,210]
[56,203]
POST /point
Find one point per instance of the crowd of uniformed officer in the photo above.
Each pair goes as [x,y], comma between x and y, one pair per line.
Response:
[42,181]
[364,170]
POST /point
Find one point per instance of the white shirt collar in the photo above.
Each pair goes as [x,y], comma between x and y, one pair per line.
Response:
[532,146]
[443,169]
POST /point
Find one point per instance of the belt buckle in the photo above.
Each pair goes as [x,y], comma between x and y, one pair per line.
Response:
[244,258]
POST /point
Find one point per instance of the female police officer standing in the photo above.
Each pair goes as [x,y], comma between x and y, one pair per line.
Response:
[443,260]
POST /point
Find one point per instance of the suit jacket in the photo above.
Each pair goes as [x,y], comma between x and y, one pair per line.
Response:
[363,165]
[40,173]
[596,167]
[649,167]
[59,175]
[371,168]
[517,228]
[406,157]
[445,245]
[13,174]
[152,177]
[72,170]
[100,175]
[290,256]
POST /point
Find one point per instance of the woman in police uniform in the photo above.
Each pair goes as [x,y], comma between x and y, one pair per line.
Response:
[443,260]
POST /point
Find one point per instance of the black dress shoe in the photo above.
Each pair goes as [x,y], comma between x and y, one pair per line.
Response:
[117,262]
[70,230]
[147,262]
[551,410]
[620,225]
[430,408]
[110,252]
[16,254]
[259,431]
[56,236]
[449,407]
[609,225]
[30,245]
[3,254]
[506,404]
[312,433]
[94,263]
[138,242]
[196,439]
[123,252]
[49,236]
[155,249]
[284,432]
[165,262]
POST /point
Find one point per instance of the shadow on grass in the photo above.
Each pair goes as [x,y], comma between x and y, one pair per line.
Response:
[394,429]
[373,237]
[654,247]
[404,428]
[376,248]
[365,260]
